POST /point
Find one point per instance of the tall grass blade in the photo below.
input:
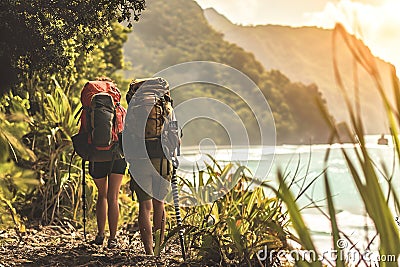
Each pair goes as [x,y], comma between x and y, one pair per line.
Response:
[335,229]
[369,188]
[296,219]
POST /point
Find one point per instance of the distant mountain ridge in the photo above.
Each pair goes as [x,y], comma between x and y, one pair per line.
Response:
[176,31]
[305,54]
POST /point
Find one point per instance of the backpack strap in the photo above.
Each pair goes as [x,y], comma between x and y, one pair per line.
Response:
[79,113]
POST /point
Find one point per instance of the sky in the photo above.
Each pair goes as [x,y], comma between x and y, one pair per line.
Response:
[379,20]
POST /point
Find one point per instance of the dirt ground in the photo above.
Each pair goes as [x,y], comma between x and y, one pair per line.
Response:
[58,246]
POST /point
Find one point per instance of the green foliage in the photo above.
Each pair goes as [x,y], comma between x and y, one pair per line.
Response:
[37,121]
[233,228]
[15,184]
[10,129]
[43,35]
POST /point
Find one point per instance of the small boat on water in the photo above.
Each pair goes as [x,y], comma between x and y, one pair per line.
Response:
[382,140]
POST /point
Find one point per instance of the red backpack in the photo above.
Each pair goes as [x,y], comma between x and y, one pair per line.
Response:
[102,123]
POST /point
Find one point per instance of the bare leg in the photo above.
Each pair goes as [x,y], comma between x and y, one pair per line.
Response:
[146,233]
[159,217]
[101,204]
[114,185]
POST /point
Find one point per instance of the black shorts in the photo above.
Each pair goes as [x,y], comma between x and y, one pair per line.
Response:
[101,169]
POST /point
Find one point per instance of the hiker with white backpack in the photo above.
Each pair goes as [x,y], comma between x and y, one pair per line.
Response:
[151,135]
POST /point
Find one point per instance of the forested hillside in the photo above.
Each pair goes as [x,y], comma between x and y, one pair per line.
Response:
[305,54]
[177,31]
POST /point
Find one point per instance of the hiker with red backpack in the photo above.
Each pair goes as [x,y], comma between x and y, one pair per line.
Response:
[151,142]
[99,143]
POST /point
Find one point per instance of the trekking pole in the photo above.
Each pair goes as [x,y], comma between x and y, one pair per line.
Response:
[174,184]
[84,198]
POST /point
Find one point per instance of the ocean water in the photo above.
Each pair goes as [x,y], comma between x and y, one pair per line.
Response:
[306,163]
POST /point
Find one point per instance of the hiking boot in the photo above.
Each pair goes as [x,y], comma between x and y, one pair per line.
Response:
[112,243]
[98,240]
